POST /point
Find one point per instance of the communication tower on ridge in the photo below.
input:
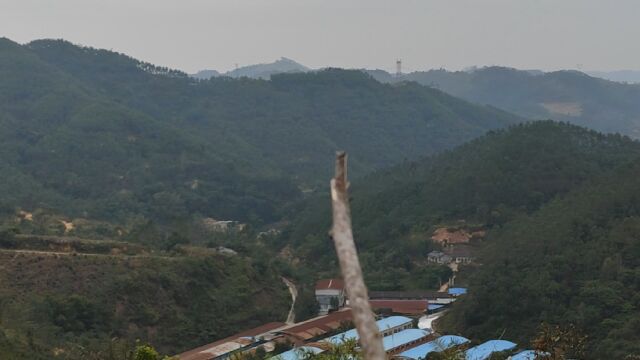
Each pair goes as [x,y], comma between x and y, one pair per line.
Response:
[398,67]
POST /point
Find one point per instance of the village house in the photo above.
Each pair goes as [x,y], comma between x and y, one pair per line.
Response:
[330,294]
[460,254]
[438,257]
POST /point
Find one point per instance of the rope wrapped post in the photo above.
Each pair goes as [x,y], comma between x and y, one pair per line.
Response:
[370,338]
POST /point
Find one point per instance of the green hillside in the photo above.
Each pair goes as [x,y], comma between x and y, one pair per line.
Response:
[487,183]
[102,135]
[576,261]
[68,146]
[64,303]
[561,95]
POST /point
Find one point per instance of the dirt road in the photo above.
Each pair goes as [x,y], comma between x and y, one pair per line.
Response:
[291,317]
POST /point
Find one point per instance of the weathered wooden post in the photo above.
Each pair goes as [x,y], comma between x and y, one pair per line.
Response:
[370,338]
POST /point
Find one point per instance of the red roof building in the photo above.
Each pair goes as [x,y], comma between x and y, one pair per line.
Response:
[330,284]
[317,326]
[229,344]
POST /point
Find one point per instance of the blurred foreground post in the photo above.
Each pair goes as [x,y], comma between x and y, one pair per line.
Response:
[364,320]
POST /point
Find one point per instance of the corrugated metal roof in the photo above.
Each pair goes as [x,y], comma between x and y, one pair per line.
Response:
[206,351]
[440,344]
[484,350]
[524,355]
[319,325]
[297,353]
[403,337]
[383,324]
[457,291]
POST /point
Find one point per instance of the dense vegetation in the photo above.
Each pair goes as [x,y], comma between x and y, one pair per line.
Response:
[56,304]
[560,206]
[562,95]
[102,135]
[575,261]
[487,182]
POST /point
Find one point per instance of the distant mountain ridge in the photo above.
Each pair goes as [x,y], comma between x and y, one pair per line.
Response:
[257,71]
[627,76]
[569,95]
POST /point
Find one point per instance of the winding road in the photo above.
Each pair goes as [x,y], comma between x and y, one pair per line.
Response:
[291,317]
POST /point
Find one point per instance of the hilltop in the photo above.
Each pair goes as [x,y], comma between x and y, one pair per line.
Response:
[570,96]
[257,71]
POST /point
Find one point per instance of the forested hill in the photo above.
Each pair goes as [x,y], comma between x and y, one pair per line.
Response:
[562,95]
[486,183]
[103,135]
[575,261]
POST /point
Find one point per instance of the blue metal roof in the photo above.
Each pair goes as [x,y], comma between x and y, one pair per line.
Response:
[435,306]
[484,350]
[440,344]
[297,353]
[403,337]
[392,321]
[524,355]
[383,324]
[457,291]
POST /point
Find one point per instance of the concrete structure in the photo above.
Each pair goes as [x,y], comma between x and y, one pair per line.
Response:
[440,344]
[330,294]
[484,350]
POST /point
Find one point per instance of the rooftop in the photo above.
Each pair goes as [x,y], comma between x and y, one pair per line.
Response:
[440,344]
[524,355]
[297,353]
[457,291]
[460,251]
[403,337]
[413,295]
[320,325]
[484,350]
[383,324]
[333,284]
[401,306]
[228,344]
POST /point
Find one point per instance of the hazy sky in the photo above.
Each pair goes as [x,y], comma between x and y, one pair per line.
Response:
[217,34]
